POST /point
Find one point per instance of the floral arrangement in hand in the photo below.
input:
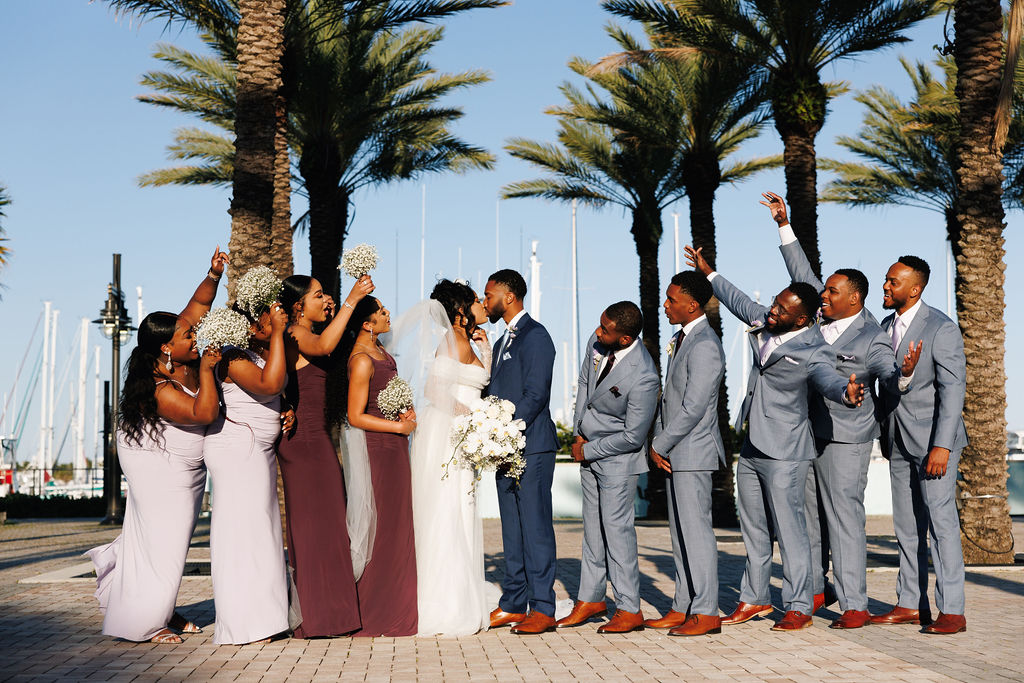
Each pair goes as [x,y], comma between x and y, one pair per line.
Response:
[395,398]
[489,438]
[257,290]
[222,327]
[359,260]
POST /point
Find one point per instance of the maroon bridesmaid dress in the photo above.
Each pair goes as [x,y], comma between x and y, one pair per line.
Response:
[387,588]
[314,498]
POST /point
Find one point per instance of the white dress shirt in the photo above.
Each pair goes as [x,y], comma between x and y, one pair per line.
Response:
[619,355]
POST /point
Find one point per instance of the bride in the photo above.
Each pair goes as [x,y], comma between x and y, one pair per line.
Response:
[443,352]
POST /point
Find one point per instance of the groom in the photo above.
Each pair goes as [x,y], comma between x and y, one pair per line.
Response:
[521,368]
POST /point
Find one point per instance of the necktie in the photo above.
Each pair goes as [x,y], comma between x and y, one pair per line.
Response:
[607,366]
[829,332]
[767,347]
[897,334]
[504,345]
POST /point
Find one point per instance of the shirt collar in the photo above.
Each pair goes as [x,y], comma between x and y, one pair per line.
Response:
[840,325]
[688,327]
[512,323]
[908,315]
[783,338]
[621,353]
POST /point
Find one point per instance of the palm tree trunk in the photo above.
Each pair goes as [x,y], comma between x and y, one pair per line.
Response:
[328,214]
[985,522]
[702,231]
[260,48]
[281,224]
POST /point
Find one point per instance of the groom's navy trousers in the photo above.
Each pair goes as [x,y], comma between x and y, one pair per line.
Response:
[523,376]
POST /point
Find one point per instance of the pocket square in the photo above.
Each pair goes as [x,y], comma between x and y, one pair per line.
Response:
[506,356]
[841,356]
[615,392]
[794,362]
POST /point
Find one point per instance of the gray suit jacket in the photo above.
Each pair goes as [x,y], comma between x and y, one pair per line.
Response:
[615,416]
[776,404]
[863,348]
[686,431]
[930,413]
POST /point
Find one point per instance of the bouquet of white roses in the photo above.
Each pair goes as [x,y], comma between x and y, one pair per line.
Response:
[359,260]
[222,327]
[395,398]
[488,438]
[257,289]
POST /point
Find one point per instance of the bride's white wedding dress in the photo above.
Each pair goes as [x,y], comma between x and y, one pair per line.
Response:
[454,598]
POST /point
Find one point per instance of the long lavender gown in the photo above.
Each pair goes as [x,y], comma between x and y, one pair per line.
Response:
[250,582]
[139,573]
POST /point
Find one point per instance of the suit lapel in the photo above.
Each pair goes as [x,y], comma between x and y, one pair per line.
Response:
[917,325]
[615,373]
[852,331]
[779,352]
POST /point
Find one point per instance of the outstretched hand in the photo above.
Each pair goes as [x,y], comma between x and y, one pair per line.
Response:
[776,206]
[695,259]
[854,391]
[218,261]
[910,360]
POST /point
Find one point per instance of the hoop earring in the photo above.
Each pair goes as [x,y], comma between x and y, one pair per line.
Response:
[168,365]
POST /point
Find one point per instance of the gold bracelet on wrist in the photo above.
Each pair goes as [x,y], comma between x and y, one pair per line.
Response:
[212,275]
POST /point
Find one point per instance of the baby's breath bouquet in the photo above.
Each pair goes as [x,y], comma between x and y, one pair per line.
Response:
[395,398]
[222,327]
[359,260]
[488,438]
[257,289]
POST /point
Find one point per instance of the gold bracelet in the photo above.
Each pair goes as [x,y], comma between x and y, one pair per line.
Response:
[347,304]
[213,276]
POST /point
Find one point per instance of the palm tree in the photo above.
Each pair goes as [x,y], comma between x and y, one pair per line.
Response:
[663,131]
[5,252]
[786,43]
[984,513]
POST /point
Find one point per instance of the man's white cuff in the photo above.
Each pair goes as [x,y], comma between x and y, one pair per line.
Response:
[786,234]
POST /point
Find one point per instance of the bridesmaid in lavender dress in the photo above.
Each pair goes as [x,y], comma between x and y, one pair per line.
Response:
[250,582]
[167,401]
[387,588]
[314,488]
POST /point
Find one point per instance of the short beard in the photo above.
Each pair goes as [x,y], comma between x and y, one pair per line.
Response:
[496,314]
[892,306]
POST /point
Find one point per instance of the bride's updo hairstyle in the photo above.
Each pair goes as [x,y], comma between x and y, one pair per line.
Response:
[336,403]
[457,299]
[293,289]
[137,416]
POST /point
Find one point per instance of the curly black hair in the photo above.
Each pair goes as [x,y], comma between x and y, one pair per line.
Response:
[458,299]
[137,415]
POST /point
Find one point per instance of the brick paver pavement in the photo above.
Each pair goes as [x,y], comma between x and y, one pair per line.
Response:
[50,630]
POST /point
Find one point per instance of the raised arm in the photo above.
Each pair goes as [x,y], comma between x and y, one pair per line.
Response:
[641,403]
[741,305]
[201,301]
[323,344]
[703,374]
[174,405]
[272,377]
[792,253]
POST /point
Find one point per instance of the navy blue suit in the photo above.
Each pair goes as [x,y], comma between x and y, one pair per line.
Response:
[522,375]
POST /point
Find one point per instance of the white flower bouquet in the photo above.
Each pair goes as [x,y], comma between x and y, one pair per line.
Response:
[222,327]
[395,398]
[489,438]
[257,290]
[359,260]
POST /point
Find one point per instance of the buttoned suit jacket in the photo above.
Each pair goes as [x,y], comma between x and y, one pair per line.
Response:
[930,413]
[615,416]
[863,349]
[686,429]
[524,377]
[776,404]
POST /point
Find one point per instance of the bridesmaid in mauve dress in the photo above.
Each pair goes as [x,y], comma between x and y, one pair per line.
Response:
[387,588]
[166,403]
[314,488]
[250,582]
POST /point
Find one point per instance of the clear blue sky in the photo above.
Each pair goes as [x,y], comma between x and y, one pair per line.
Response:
[74,140]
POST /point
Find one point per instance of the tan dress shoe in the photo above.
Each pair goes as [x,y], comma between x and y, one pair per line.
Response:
[947,624]
[670,620]
[500,618]
[902,615]
[534,624]
[582,612]
[745,612]
[698,625]
[624,622]
[794,621]
[852,619]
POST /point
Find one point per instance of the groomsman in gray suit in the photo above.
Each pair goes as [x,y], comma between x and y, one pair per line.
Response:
[615,405]
[843,436]
[688,446]
[790,359]
[923,435]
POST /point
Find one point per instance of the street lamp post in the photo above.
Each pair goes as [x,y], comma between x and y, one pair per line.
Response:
[117,327]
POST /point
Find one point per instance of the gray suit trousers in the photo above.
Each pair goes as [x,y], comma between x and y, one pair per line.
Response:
[842,476]
[923,506]
[694,547]
[817,528]
[609,539]
[776,486]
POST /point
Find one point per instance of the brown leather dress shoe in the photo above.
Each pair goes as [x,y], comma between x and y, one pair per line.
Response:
[623,622]
[582,612]
[698,625]
[794,621]
[745,612]
[947,624]
[902,615]
[500,617]
[670,620]
[852,618]
[534,623]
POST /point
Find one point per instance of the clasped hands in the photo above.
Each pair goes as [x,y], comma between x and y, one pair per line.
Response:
[577,449]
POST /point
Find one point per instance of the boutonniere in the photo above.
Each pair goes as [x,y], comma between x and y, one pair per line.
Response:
[671,348]
[755,326]
[615,392]
[511,333]
[597,359]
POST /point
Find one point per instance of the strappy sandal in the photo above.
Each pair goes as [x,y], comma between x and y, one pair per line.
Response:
[166,637]
[180,623]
